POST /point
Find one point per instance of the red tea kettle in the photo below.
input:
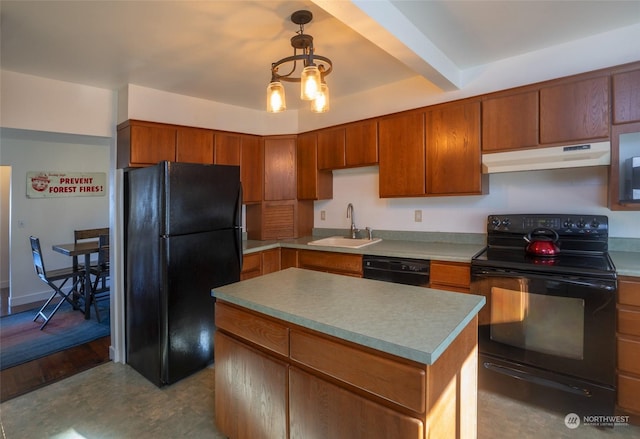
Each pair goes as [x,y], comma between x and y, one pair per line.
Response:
[542,242]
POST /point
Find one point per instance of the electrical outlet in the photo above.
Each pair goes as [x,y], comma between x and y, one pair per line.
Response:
[323,215]
[418,216]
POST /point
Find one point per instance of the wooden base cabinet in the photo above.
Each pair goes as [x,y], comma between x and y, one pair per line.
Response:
[276,380]
[628,341]
[450,276]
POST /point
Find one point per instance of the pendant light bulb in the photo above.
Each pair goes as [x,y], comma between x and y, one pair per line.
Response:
[276,101]
[321,103]
[310,80]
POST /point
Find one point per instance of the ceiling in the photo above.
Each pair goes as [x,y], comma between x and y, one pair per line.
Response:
[223,50]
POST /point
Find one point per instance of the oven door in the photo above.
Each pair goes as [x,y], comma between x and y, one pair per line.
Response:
[558,323]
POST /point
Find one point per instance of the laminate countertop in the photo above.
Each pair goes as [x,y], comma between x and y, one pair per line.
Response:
[410,322]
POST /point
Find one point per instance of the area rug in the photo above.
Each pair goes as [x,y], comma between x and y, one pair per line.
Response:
[21,339]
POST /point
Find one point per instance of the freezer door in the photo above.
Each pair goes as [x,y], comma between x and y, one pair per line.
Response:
[195,264]
[201,197]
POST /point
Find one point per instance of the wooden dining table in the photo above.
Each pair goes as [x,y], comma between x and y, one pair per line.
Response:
[85,248]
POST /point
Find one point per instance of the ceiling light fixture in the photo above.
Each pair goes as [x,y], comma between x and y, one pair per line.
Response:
[312,83]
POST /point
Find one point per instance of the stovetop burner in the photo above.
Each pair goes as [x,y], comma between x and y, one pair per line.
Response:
[582,239]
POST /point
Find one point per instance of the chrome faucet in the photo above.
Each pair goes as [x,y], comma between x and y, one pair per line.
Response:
[354,230]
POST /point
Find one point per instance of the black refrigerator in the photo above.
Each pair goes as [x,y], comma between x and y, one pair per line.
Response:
[183,237]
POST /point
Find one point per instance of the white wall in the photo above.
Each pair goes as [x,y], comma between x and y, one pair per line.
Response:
[53,220]
[565,191]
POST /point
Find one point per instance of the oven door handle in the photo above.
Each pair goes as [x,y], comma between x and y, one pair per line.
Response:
[583,282]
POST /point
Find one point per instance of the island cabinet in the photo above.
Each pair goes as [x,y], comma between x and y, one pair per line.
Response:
[276,378]
[629,344]
[313,184]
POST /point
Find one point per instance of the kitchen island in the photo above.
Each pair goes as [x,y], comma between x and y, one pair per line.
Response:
[305,354]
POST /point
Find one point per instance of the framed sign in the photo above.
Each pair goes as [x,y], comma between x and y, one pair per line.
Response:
[46,184]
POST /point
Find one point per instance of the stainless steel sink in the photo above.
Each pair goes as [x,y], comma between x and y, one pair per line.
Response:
[341,241]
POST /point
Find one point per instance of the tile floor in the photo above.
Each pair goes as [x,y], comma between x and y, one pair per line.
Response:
[114,401]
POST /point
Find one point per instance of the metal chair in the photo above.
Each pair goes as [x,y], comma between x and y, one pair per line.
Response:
[50,277]
[84,235]
[101,273]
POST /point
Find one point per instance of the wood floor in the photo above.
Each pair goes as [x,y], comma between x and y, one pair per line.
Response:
[24,378]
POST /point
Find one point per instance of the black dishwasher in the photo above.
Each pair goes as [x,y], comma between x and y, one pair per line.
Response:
[397,270]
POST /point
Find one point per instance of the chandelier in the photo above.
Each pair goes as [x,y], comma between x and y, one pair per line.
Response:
[312,83]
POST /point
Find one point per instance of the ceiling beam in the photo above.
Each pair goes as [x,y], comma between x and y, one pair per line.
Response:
[384,25]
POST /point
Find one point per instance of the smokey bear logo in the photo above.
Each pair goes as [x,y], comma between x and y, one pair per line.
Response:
[40,182]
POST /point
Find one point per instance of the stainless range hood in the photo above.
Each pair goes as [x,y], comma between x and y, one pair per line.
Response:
[554,157]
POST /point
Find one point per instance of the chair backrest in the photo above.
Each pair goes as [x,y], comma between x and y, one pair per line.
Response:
[81,235]
[103,251]
[38,262]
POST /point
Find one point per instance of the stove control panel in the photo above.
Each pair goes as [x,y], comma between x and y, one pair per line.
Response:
[566,225]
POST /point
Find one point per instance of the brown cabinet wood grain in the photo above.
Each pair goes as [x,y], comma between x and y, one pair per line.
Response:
[145,143]
[313,184]
[453,159]
[361,143]
[452,276]
[194,145]
[331,262]
[227,149]
[628,343]
[575,110]
[279,219]
[331,148]
[280,168]
[402,155]
[251,168]
[510,121]
[251,266]
[626,96]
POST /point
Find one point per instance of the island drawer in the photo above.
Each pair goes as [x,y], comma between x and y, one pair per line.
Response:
[392,380]
[252,327]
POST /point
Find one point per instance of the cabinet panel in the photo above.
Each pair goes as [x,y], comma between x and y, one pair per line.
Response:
[318,407]
[194,145]
[331,148]
[629,355]
[626,97]
[332,262]
[628,391]
[288,258]
[245,378]
[453,150]
[251,266]
[629,321]
[450,274]
[312,183]
[398,382]
[145,143]
[629,291]
[270,261]
[251,168]
[510,122]
[256,329]
[227,149]
[575,111]
[280,168]
[361,143]
[402,155]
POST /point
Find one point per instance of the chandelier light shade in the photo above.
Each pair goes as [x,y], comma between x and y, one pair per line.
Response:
[311,74]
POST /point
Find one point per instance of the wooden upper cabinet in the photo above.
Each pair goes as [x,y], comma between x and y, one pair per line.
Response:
[251,168]
[227,149]
[361,143]
[194,145]
[312,183]
[453,159]
[280,168]
[510,122]
[626,97]
[145,143]
[402,155]
[575,111]
[331,148]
